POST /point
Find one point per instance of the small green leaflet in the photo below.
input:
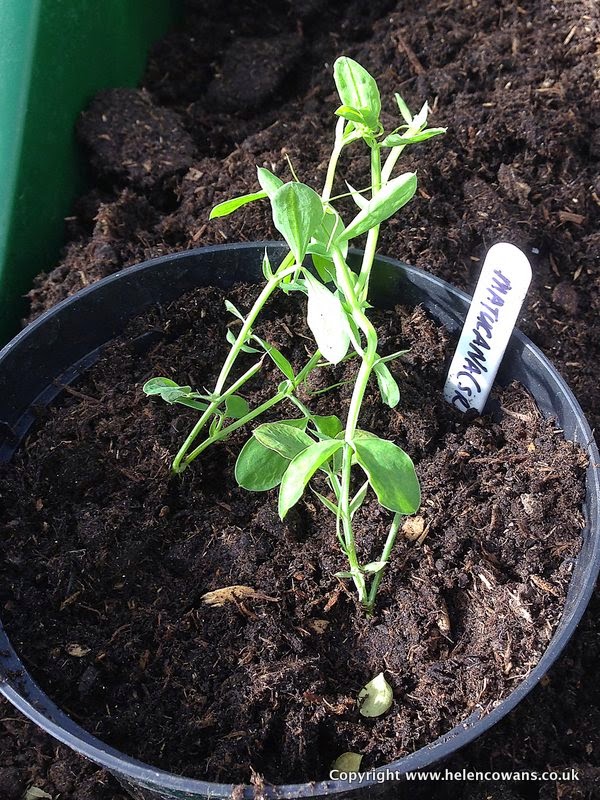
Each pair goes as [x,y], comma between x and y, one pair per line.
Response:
[404,109]
[358,498]
[347,762]
[297,213]
[329,231]
[361,202]
[232,339]
[391,472]
[269,183]
[356,503]
[328,426]
[301,470]
[266,267]
[171,393]
[236,407]
[166,388]
[420,120]
[35,793]
[229,206]
[322,261]
[357,90]
[285,439]
[353,114]
[392,356]
[233,310]
[374,566]
[258,468]
[397,139]
[327,320]
[277,357]
[390,393]
[327,503]
[376,697]
[395,194]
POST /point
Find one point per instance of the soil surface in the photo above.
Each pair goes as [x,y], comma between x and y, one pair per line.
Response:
[107,608]
[517,85]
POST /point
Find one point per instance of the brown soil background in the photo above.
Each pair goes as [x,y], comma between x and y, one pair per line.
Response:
[517,86]
[107,608]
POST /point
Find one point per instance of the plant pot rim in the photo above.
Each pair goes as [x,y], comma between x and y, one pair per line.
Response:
[17,686]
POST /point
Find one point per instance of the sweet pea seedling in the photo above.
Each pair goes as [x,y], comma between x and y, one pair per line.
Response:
[287,454]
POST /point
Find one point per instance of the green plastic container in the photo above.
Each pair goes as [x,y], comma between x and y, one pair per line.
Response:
[54,56]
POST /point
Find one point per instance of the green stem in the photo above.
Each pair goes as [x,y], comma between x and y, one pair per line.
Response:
[373,235]
[180,461]
[369,357]
[270,286]
[256,412]
[385,556]
[390,162]
[224,433]
[333,161]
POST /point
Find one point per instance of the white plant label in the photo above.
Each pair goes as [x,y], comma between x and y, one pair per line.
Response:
[501,289]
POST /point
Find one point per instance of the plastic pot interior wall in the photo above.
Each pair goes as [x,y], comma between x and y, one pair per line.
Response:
[66,340]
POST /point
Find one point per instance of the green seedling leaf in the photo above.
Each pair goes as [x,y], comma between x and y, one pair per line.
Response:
[343,574]
[269,183]
[277,357]
[327,320]
[337,461]
[229,206]
[285,439]
[329,231]
[376,697]
[404,109]
[328,426]
[358,499]
[357,90]
[301,470]
[361,202]
[297,213]
[171,393]
[258,468]
[354,332]
[318,248]
[163,386]
[397,139]
[245,348]
[353,114]
[390,393]
[266,267]
[347,762]
[392,356]
[327,503]
[34,793]
[395,194]
[333,225]
[322,261]
[374,566]
[420,119]
[236,407]
[233,310]
[390,471]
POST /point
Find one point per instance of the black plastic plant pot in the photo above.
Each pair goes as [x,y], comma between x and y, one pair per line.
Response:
[67,339]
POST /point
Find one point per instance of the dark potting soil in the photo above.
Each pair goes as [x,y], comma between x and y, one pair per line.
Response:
[106,559]
[517,86]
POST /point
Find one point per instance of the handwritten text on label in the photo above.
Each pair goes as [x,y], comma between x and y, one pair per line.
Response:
[498,298]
